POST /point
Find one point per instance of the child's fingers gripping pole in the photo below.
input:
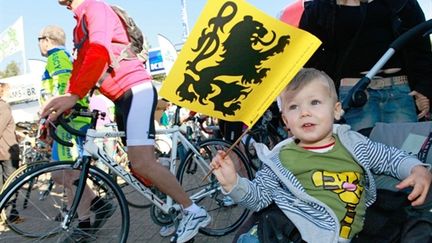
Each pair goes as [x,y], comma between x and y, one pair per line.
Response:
[227,152]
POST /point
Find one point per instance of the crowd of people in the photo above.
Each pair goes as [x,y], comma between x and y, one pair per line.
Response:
[322,178]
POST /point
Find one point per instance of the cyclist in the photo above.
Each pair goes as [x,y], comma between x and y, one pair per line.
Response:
[54,82]
[129,86]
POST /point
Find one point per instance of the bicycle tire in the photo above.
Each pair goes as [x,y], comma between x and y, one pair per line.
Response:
[21,170]
[38,220]
[259,135]
[226,215]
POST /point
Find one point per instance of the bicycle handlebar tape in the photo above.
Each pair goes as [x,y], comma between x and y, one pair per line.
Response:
[57,138]
[421,29]
[64,123]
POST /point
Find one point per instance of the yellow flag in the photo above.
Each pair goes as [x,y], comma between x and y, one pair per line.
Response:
[236,61]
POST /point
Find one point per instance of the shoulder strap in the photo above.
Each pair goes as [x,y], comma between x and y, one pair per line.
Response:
[85,31]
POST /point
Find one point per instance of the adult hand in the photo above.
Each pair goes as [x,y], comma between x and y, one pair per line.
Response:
[224,170]
[422,102]
[57,105]
[420,180]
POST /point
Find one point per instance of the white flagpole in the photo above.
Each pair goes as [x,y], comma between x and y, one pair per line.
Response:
[184,20]
[23,52]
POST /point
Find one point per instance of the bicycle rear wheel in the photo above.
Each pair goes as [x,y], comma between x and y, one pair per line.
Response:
[39,220]
[226,215]
[259,136]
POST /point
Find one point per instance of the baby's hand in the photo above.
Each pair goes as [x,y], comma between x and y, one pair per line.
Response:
[420,180]
[224,170]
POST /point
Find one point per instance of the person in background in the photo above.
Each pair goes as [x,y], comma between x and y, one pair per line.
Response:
[55,80]
[322,177]
[355,34]
[9,148]
[129,86]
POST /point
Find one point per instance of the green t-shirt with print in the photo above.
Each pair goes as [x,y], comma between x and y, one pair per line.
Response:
[334,178]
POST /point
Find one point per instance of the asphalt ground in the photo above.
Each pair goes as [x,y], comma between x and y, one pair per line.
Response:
[142,229]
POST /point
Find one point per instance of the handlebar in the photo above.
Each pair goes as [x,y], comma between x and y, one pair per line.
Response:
[356,96]
[66,117]
[423,29]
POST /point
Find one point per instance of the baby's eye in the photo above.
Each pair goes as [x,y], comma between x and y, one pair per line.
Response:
[292,107]
[315,102]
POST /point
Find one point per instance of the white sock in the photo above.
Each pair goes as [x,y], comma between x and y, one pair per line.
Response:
[193,208]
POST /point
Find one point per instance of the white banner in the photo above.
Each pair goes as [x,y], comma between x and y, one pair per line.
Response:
[22,88]
[168,52]
[12,39]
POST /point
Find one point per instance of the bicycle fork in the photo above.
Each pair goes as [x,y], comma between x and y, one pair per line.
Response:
[84,163]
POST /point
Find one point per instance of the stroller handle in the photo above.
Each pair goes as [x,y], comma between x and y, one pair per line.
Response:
[423,29]
[357,96]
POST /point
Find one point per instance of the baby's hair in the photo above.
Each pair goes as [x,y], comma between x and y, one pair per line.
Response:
[55,33]
[304,77]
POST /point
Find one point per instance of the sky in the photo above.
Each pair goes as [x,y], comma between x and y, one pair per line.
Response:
[152,16]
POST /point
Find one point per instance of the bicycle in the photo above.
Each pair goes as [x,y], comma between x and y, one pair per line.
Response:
[263,132]
[226,215]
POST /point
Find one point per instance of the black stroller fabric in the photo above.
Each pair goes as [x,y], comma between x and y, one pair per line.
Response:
[392,219]
[275,227]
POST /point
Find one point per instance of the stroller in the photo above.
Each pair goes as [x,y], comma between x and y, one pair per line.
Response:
[390,218]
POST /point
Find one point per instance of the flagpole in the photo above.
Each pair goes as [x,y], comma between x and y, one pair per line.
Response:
[23,50]
[228,151]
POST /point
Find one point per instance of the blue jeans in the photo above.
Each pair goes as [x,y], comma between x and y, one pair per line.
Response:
[389,104]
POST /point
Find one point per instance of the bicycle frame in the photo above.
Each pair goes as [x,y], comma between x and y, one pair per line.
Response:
[92,150]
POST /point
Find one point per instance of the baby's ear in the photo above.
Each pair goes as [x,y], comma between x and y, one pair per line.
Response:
[338,112]
[285,120]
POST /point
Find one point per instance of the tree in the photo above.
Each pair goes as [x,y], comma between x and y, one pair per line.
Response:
[12,69]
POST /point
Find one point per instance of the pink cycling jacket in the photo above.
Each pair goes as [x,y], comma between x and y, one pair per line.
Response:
[98,48]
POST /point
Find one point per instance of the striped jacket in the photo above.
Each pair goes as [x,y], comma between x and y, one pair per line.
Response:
[315,220]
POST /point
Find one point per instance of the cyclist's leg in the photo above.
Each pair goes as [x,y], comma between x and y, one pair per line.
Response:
[140,134]
[138,105]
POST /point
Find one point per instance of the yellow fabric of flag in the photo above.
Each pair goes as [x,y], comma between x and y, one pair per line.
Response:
[236,61]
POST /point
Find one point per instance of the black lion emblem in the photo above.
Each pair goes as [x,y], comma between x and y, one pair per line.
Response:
[240,62]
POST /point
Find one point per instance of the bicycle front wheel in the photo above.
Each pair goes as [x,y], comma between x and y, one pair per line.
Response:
[21,170]
[226,215]
[46,204]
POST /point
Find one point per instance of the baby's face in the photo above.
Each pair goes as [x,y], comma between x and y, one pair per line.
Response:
[310,112]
